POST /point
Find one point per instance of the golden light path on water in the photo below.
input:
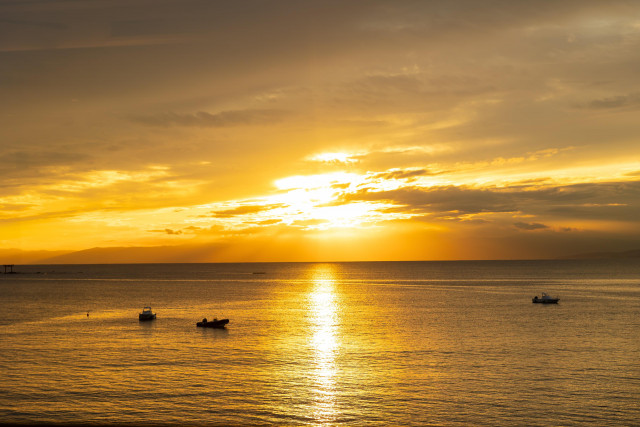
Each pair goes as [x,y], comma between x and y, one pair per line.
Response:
[323,312]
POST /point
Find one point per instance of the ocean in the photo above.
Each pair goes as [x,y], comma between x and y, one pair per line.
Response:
[374,343]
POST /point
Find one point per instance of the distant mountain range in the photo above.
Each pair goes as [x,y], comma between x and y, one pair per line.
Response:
[181,254]
[17,256]
[135,255]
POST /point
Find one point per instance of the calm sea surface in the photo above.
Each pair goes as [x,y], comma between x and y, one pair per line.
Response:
[386,343]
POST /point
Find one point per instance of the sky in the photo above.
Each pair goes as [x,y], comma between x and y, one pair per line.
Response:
[230,131]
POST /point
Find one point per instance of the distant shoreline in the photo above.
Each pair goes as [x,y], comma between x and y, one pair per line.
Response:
[162,255]
[631,255]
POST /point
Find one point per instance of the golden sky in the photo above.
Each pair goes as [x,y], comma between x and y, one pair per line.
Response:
[197,130]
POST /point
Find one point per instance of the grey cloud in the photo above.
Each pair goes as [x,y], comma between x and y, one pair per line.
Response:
[604,201]
[412,92]
[21,168]
[221,119]
[403,174]
[23,159]
[530,225]
[221,24]
[454,17]
[145,27]
[41,24]
[621,101]
[442,200]
[597,212]
[167,231]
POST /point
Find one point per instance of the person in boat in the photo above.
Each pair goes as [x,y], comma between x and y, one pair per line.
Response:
[204,320]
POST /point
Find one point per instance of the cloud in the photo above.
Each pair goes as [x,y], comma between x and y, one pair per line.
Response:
[245,210]
[441,200]
[145,27]
[35,24]
[403,174]
[580,201]
[72,25]
[28,163]
[530,226]
[615,102]
[414,93]
[221,119]
[167,231]
[15,207]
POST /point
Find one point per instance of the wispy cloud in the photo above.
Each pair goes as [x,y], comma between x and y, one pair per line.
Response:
[403,174]
[631,100]
[529,226]
[221,119]
[246,210]
[167,231]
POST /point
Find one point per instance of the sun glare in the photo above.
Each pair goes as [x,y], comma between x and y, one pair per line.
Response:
[309,182]
[335,158]
[323,312]
[316,202]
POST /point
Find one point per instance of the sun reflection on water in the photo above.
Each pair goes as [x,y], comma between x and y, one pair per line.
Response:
[323,311]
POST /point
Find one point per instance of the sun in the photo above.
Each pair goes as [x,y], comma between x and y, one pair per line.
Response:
[316,202]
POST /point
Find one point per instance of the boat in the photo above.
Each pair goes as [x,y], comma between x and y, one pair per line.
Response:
[215,323]
[146,314]
[545,299]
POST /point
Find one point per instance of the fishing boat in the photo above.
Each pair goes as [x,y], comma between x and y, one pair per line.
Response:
[545,299]
[215,323]
[146,314]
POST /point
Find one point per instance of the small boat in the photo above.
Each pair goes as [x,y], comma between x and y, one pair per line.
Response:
[215,323]
[545,299]
[146,314]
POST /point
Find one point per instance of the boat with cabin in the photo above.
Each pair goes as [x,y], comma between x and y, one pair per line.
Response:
[146,314]
[545,299]
[215,323]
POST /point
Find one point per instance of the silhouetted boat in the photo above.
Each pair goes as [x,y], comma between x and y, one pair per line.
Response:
[215,323]
[146,314]
[545,299]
